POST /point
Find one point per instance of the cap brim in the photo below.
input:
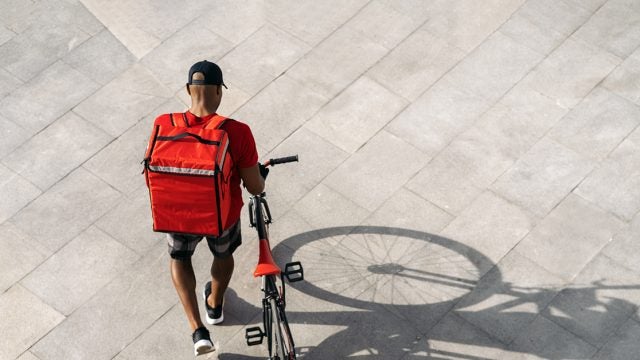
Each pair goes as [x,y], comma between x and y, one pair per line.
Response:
[204,82]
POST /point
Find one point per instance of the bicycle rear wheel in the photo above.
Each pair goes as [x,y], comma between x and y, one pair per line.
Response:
[281,341]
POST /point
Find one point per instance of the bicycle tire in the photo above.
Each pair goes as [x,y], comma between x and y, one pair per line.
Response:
[276,332]
[287,342]
[281,346]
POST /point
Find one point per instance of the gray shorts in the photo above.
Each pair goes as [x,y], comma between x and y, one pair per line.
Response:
[182,246]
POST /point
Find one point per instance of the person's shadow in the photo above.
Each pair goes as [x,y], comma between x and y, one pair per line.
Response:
[388,330]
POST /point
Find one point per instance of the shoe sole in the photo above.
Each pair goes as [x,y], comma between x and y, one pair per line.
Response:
[203,346]
[211,321]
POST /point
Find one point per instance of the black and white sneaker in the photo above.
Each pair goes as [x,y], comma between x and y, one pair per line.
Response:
[202,341]
[214,315]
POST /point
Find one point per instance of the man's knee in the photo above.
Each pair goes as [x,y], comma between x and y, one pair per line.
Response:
[181,256]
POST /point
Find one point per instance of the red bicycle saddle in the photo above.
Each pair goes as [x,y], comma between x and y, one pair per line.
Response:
[266,264]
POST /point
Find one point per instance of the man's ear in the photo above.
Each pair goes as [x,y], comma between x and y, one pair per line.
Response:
[188,90]
[219,90]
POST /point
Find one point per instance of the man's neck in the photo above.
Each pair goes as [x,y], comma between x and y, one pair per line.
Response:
[202,110]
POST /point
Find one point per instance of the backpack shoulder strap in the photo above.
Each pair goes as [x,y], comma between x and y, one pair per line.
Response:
[179,119]
[164,120]
[215,122]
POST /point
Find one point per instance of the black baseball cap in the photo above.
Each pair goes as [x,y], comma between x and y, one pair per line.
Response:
[211,71]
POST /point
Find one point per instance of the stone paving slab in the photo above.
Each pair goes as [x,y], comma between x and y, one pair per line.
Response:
[596,133]
[25,319]
[571,71]
[494,67]
[20,192]
[20,255]
[614,27]
[415,64]
[543,177]
[75,273]
[358,113]
[270,51]
[121,104]
[544,339]
[620,194]
[574,232]
[337,61]
[101,58]
[623,346]
[283,119]
[57,92]
[467,185]
[623,81]
[38,160]
[78,200]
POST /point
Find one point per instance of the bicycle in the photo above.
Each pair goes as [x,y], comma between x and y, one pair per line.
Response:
[274,320]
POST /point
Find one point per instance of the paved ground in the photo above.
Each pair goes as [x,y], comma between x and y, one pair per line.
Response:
[469,184]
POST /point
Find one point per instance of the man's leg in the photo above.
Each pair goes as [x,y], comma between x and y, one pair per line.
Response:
[222,249]
[221,271]
[184,280]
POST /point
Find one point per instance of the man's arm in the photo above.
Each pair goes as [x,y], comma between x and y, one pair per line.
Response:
[252,179]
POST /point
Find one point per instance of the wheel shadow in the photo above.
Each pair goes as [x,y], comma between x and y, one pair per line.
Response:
[406,329]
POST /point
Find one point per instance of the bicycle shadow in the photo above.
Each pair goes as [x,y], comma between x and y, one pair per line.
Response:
[407,329]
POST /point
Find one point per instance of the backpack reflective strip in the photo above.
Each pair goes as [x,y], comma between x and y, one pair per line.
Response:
[177,170]
[224,154]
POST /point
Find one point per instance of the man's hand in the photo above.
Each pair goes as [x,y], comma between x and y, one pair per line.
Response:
[264,171]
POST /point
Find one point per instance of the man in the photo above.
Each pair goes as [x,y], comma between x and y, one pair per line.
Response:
[205,88]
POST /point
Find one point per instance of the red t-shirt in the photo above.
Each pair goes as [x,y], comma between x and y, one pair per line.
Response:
[242,148]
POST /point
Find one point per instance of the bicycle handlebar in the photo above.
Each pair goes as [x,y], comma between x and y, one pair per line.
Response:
[282,160]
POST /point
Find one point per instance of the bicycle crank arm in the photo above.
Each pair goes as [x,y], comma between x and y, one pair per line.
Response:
[254,335]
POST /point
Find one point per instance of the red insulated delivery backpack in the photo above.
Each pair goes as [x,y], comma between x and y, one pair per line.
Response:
[188,172]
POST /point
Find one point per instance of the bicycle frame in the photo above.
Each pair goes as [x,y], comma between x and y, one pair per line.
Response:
[276,327]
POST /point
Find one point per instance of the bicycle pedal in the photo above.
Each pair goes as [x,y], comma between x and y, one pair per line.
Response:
[254,335]
[293,271]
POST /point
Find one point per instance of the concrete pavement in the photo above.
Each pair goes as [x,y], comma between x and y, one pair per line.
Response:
[468,184]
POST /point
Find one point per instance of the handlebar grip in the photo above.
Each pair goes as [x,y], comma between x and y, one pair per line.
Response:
[283,160]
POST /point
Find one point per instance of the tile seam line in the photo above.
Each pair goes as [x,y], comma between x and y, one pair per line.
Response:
[490,186]
[615,336]
[362,74]
[568,280]
[53,253]
[583,339]
[311,49]
[595,164]
[56,251]
[140,62]
[543,313]
[616,262]
[95,295]
[60,60]
[600,85]
[99,87]
[569,36]
[477,118]
[490,336]
[597,204]
[90,36]
[81,165]
[57,59]
[416,194]
[139,335]
[64,320]
[43,190]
